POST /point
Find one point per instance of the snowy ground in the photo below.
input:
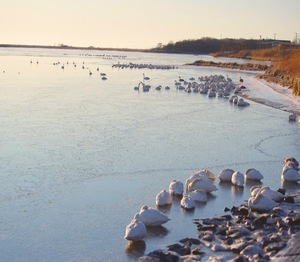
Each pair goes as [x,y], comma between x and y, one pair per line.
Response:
[271,94]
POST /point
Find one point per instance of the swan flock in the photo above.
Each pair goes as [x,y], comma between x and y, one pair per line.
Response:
[199,185]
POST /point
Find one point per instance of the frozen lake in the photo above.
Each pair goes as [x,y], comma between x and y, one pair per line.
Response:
[79,155]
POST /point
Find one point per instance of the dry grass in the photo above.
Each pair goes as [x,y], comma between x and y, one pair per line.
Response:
[285,68]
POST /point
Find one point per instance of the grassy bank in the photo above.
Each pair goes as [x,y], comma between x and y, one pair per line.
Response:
[285,69]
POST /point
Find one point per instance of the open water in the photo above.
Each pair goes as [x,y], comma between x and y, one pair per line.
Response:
[80,155]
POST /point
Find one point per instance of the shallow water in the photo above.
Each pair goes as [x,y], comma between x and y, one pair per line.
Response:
[80,156]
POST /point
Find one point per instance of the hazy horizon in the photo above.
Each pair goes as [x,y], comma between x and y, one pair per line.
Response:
[143,24]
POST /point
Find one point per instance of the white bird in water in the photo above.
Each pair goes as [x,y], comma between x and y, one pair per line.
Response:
[226,175]
[151,216]
[237,179]
[272,194]
[203,180]
[290,170]
[187,203]
[135,231]
[176,188]
[202,184]
[253,174]
[198,195]
[203,174]
[163,198]
[261,202]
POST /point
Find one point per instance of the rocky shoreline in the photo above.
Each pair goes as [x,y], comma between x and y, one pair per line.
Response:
[241,235]
[254,231]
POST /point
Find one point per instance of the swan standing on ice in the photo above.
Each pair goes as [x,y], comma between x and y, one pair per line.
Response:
[151,216]
[163,198]
[187,202]
[135,231]
[176,188]
[237,179]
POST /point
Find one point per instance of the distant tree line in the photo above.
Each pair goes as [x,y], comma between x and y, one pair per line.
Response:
[212,45]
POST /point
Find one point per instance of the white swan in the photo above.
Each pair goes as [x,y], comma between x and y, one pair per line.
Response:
[202,184]
[187,202]
[198,195]
[237,179]
[204,174]
[151,216]
[253,174]
[135,231]
[268,192]
[291,161]
[290,172]
[226,174]
[176,188]
[163,198]
[261,203]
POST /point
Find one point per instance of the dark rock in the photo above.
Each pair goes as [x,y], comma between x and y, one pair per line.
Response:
[243,211]
[275,246]
[215,220]
[251,250]
[193,241]
[237,248]
[197,251]
[234,210]
[174,247]
[227,217]
[229,241]
[274,238]
[240,259]
[282,225]
[289,199]
[278,212]
[184,251]
[264,240]
[222,232]
[226,209]
[208,236]
[161,255]
[259,223]
[294,221]
[205,228]
[281,190]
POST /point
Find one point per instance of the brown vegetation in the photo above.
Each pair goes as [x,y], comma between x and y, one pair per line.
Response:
[247,66]
[285,69]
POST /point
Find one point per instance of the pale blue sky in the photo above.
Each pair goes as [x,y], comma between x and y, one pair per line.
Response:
[144,23]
